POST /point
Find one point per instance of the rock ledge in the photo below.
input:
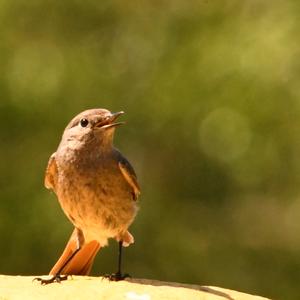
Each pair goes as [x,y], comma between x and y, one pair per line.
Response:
[83,287]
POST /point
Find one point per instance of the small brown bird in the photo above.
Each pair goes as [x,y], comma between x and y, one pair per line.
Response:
[97,189]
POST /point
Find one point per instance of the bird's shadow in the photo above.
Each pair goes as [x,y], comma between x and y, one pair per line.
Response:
[205,289]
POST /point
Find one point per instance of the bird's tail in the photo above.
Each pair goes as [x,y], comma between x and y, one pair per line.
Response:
[81,263]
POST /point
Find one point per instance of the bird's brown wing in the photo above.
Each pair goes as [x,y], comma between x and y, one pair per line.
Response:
[51,173]
[130,176]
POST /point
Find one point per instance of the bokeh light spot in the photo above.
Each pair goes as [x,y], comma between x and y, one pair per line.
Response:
[35,70]
[224,134]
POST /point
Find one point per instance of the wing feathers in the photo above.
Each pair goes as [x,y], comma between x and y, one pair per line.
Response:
[51,173]
[130,177]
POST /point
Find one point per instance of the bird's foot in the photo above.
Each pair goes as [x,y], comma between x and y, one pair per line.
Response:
[116,276]
[55,278]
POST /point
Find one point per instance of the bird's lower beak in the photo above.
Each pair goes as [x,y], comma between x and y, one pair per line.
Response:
[109,122]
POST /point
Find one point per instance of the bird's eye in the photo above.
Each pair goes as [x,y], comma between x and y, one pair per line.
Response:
[84,122]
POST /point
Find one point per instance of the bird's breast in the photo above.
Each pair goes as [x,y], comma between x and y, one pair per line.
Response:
[94,195]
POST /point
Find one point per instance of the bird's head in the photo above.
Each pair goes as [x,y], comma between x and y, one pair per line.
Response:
[92,124]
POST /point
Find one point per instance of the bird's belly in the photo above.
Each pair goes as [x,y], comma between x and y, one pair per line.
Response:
[100,210]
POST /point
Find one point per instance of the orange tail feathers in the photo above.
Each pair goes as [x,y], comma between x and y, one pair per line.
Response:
[81,263]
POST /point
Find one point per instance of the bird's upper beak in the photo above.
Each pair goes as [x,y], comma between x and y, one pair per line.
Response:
[108,122]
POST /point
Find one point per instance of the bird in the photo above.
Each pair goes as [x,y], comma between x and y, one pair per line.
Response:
[97,189]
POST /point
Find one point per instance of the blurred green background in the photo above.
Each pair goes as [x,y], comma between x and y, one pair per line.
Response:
[212,99]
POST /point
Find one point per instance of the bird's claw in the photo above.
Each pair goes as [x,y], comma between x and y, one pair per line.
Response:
[56,278]
[116,276]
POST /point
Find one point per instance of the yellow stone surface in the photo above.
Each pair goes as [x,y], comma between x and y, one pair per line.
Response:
[79,287]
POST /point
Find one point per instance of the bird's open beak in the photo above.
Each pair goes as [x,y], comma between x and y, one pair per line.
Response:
[109,121]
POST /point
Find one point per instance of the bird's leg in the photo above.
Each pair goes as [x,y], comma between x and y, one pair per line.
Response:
[119,272]
[118,275]
[58,277]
